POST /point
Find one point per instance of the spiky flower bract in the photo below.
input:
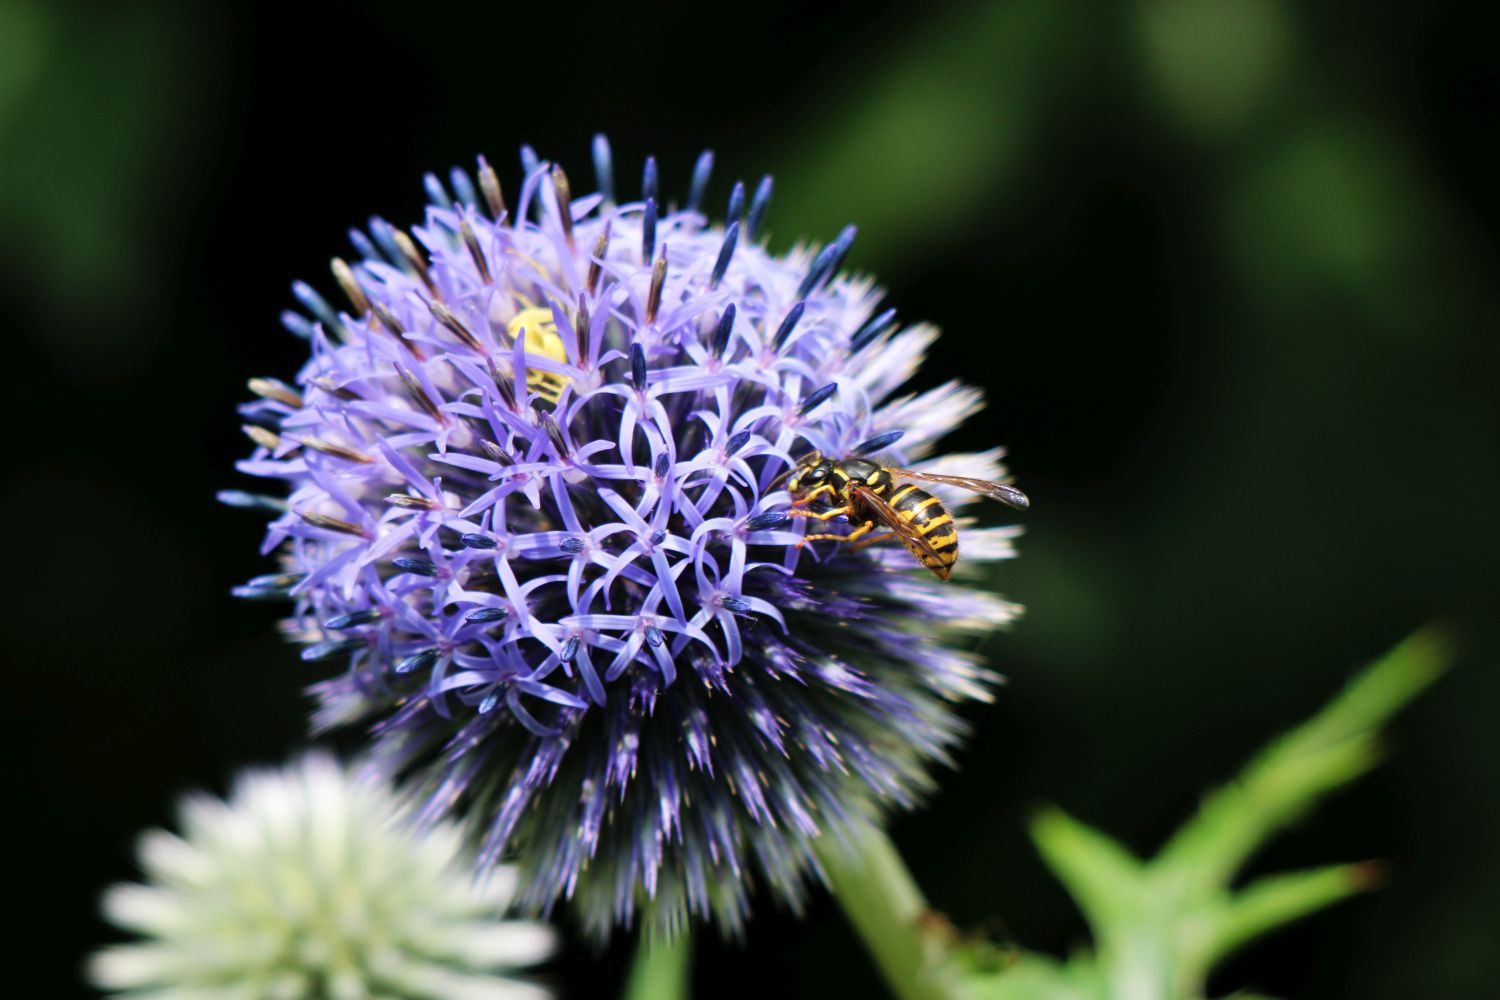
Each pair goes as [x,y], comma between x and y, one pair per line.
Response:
[534,501]
[311,882]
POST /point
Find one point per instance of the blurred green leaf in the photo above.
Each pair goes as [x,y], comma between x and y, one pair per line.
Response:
[25,41]
[1161,926]
[1213,63]
[1285,779]
[1099,873]
[910,143]
[1276,900]
[1336,203]
[99,110]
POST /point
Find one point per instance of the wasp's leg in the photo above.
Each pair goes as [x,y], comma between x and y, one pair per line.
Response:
[885,536]
[863,529]
[826,515]
[803,501]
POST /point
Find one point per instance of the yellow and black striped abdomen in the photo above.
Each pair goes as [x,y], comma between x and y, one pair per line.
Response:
[927,518]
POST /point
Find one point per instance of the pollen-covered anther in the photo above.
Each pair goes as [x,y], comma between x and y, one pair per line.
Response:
[331,523]
[563,193]
[415,260]
[410,502]
[450,322]
[418,395]
[476,252]
[275,389]
[496,452]
[267,439]
[489,183]
[344,275]
[331,387]
[555,436]
[581,322]
[392,325]
[336,450]
[658,282]
[601,250]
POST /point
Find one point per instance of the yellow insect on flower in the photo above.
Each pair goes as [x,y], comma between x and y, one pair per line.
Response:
[543,340]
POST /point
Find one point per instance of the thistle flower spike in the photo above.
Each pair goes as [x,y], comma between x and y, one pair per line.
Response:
[726,251]
[649,180]
[758,206]
[604,170]
[648,230]
[702,170]
[568,584]
[736,210]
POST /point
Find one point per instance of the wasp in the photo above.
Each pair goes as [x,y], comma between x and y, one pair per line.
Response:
[871,495]
[543,340]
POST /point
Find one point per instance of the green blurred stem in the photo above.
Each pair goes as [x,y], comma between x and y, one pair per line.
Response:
[910,943]
[1335,746]
[662,967]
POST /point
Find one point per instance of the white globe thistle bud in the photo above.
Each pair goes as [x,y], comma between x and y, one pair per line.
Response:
[310,882]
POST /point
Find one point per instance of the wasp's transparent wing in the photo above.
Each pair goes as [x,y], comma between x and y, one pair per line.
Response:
[1008,495]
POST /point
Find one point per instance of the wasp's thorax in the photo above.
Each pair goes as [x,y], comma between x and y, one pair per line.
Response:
[816,471]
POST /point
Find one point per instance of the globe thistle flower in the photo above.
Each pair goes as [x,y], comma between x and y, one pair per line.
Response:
[536,501]
[310,882]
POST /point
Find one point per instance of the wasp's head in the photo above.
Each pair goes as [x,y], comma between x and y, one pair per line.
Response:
[812,472]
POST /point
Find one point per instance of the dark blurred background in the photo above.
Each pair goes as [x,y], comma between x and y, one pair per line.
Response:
[1227,270]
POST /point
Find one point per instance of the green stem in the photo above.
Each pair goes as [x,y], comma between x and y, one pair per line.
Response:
[662,967]
[908,940]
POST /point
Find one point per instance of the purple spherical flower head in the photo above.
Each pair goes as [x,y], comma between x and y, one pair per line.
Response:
[533,475]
